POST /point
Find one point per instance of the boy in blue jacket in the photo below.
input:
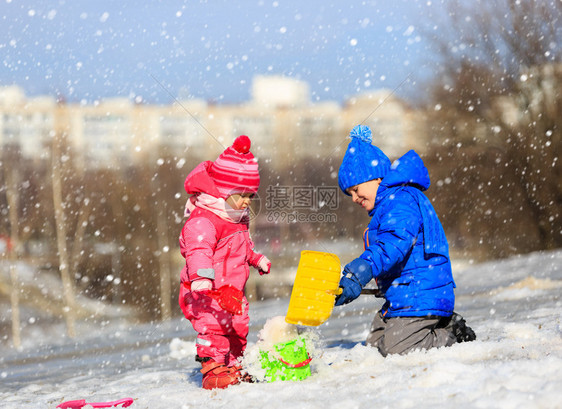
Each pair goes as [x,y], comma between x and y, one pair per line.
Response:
[406,251]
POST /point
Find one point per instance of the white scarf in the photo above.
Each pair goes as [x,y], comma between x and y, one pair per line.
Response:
[216,205]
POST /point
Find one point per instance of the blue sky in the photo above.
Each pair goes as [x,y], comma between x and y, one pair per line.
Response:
[91,49]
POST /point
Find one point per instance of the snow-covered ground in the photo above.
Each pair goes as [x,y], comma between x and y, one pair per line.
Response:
[514,305]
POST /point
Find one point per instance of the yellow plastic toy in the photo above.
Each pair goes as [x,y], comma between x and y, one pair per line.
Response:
[315,288]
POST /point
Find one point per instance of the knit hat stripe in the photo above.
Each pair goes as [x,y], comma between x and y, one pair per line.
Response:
[226,162]
[222,176]
[236,183]
[235,179]
[227,172]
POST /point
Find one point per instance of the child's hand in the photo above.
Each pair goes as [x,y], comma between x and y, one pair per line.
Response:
[264,266]
[355,276]
[351,289]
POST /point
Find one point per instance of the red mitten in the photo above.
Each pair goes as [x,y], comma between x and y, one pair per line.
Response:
[229,298]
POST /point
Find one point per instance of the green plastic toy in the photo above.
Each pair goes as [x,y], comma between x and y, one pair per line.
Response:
[289,362]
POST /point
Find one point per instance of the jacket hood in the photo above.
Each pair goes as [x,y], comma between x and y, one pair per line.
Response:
[199,181]
[408,170]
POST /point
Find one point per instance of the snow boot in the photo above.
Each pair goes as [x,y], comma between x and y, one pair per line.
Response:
[243,376]
[218,375]
[460,330]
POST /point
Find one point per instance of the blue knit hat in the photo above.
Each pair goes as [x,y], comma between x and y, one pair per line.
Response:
[362,161]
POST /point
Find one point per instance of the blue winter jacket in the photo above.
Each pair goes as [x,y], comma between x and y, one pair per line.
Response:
[406,246]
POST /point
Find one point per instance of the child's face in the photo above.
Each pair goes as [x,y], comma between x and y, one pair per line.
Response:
[240,201]
[365,193]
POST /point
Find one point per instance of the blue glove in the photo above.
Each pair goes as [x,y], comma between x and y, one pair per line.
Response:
[351,289]
[355,276]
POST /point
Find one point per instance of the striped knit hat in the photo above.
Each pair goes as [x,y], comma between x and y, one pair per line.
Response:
[236,169]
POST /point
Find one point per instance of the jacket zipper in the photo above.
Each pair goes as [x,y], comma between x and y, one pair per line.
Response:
[226,258]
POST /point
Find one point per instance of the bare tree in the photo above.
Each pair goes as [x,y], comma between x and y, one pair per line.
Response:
[162,234]
[10,174]
[61,223]
[496,121]
[78,243]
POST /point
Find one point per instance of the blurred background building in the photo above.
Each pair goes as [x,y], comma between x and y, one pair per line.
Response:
[280,118]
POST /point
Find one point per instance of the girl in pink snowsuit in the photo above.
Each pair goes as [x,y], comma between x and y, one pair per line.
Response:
[218,251]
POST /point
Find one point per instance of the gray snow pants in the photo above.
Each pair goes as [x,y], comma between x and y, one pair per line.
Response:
[401,335]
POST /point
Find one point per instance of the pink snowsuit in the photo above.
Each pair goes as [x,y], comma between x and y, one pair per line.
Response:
[222,251]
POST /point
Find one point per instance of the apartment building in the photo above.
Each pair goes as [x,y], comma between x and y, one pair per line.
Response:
[26,122]
[280,119]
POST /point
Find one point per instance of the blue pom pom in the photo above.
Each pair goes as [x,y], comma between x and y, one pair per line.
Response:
[362,132]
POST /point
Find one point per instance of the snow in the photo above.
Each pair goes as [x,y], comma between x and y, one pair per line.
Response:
[276,330]
[514,305]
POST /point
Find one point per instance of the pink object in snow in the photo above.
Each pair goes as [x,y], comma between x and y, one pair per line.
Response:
[78,404]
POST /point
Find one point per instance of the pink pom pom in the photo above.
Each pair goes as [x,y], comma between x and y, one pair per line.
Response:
[242,144]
